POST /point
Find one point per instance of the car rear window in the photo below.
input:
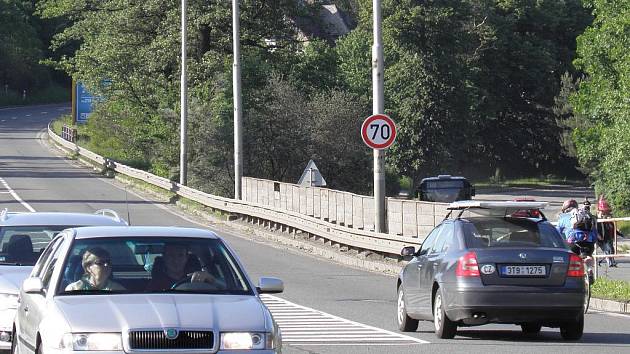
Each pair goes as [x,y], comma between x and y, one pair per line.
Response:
[488,232]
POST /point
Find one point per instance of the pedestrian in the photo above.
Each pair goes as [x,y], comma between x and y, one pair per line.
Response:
[564,219]
[606,231]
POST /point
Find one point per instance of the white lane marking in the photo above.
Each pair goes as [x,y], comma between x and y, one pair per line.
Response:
[44,112]
[28,115]
[4,120]
[303,325]
[13,118]
[15,195]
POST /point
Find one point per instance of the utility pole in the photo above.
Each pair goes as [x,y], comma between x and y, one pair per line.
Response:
[378,108]
[183,167]
[238,110]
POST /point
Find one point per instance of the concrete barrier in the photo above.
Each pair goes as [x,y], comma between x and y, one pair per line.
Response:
[341,217]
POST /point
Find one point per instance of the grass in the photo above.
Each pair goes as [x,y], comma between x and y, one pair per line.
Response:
[617,290]
[527,182]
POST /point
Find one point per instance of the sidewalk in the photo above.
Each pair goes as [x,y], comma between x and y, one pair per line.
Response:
[621,272]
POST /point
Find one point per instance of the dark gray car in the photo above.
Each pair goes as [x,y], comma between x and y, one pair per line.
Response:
[492,262]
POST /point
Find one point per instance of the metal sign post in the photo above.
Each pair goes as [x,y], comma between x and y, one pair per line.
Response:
[378,108]
[238,111]
[183,167]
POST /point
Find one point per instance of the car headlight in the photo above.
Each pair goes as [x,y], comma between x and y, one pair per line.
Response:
[8,301]
[91,341]
[246,340]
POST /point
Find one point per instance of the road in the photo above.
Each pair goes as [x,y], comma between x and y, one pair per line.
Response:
[326,307]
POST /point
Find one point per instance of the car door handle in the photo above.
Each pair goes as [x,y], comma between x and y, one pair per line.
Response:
[25,308]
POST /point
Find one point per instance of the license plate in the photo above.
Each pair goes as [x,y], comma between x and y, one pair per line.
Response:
[523,271]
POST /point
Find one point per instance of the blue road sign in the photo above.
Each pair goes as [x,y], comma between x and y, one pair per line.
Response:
[84,103]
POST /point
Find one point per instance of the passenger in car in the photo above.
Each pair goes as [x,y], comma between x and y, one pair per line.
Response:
[97,266]
[175,267]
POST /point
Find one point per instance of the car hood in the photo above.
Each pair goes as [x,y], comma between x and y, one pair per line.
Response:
[12,277]
[116,313]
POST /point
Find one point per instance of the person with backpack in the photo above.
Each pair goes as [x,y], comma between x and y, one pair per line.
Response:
[583,233]
[564,218]
[606,231]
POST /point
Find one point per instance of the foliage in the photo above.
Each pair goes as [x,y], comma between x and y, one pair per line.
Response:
[611,289]
[602,98]
[20,47]
[469,83]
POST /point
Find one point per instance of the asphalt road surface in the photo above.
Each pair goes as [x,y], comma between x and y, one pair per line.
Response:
[326,307]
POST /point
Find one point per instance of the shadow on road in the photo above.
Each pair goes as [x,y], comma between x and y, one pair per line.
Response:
[545,336]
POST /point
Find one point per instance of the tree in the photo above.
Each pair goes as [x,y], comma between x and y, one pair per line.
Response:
[602,98]
[20,48]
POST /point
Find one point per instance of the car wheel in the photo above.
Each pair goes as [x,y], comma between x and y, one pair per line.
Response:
[531,328]
[573,330]
[405,323]
[444,327]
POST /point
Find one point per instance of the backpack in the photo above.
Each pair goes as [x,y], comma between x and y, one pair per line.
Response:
[582,219]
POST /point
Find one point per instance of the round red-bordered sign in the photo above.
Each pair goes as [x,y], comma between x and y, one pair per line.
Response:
[378,131]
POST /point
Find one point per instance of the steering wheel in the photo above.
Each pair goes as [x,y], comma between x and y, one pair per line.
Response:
[187,279]
[187,284]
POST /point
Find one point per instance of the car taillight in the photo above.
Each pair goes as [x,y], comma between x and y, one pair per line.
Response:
[576,266]
[467,265]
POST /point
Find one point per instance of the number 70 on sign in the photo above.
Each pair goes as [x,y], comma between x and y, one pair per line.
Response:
[378,131]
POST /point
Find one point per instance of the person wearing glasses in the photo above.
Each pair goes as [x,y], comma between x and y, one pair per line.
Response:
[97,268]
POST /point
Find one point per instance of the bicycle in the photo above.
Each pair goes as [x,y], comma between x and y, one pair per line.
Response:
[585,253]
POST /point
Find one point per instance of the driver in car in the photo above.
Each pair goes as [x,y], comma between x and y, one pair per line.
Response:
[175,270]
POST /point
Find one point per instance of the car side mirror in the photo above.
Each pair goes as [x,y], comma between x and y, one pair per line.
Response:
[267,285]
[408,252]
[33,285]
[472,191]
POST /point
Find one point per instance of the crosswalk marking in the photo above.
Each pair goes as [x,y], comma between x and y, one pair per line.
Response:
[307,326]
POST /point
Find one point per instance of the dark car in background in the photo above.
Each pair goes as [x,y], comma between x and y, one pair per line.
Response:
[445,189]
[487,263]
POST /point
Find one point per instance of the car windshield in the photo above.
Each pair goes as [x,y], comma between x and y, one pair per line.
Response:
[445,191]
[488,232]
[151,265]
[22,245]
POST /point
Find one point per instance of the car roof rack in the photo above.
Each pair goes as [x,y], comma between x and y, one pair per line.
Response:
[493,207]
[108,212]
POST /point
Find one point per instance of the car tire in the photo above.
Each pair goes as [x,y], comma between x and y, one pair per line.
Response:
[573,330]
[444,327]
[531,328]
[405,323]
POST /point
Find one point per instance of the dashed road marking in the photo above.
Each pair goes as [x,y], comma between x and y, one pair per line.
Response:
[306,326]
[44,112]
[15,195]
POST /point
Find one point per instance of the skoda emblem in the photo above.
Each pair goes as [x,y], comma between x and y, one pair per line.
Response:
[487,269]
[523,255]
[171,333]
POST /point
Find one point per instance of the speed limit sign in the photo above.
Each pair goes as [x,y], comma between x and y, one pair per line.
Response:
[378,131]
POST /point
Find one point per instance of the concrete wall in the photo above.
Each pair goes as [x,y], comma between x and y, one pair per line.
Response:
[406,218]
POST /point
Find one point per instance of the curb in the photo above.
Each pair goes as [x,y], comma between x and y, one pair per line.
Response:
[609,306]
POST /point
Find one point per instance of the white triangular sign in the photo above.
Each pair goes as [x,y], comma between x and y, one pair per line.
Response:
[311,176]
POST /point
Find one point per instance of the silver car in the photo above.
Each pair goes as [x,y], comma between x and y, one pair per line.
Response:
[23,237]
[493,262]
[145,290]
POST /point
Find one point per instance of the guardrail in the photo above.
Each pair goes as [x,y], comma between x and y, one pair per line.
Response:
[342,227]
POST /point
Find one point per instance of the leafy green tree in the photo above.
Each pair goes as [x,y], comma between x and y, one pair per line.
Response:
[20,48]
[602,98]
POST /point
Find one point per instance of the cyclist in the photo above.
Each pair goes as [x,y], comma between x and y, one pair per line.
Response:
[583,234]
